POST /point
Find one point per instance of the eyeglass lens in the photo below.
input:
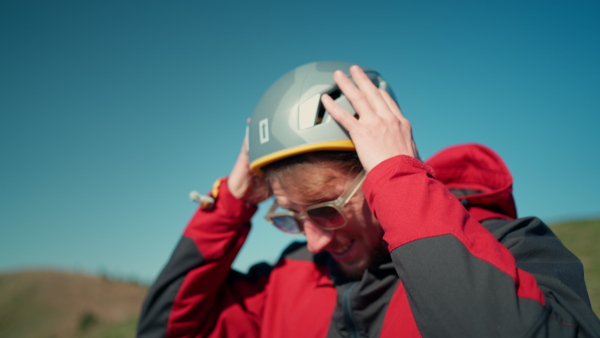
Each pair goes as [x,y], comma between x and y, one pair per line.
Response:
[326,216]
[287,224]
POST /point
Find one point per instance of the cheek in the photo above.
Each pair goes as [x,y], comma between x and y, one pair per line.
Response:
[369,217]
[361,219]
[366,216]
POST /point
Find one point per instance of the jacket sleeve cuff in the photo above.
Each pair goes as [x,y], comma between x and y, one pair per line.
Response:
[400,165]
[231,207]
[223,228]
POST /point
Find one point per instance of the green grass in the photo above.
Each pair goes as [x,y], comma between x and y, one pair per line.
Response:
[53,304]
[124,329]
[583,239]
[20,306]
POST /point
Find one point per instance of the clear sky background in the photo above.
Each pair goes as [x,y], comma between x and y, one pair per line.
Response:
[111,112]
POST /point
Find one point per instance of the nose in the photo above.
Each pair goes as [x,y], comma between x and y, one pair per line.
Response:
[316,237]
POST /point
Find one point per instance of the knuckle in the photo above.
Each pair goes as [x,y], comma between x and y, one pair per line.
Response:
[405,123]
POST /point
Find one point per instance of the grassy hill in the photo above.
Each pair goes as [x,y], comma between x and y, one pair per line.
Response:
[48,304]
[52,304]
[583,239]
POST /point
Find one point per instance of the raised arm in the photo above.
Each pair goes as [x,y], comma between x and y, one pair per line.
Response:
[197,294]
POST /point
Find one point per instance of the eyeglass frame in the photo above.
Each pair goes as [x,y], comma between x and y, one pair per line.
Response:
[337,204]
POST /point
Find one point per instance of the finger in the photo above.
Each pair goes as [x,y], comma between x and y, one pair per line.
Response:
[355,96]
[371,92]
[392,105]
[343,117]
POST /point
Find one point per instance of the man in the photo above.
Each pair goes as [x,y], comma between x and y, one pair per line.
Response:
[394,247]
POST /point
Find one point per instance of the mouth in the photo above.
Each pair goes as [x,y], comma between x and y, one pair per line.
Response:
[339,252]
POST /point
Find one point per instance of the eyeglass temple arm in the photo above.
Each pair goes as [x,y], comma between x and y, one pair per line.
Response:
[356,184]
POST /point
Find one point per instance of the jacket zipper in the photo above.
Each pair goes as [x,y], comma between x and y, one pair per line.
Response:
[347,306]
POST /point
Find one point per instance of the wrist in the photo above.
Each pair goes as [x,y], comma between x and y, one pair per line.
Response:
[236,188]
[226,202]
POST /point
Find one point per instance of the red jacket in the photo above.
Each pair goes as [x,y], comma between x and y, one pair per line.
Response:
[458,267]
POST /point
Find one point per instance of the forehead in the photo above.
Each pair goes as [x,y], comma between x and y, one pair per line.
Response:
[309,185]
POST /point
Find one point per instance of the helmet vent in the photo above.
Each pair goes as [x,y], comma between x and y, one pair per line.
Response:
[335,94]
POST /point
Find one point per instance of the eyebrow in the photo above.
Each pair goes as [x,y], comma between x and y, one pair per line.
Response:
[309,202]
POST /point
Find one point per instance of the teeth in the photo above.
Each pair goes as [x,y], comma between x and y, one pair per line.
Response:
[343,249]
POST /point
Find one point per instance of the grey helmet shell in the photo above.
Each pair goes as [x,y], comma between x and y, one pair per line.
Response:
[289,119]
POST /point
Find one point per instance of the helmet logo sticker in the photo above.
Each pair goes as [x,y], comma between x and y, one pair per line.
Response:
[263,130]
[246,137]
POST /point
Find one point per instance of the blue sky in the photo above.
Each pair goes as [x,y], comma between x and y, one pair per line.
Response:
[111,112]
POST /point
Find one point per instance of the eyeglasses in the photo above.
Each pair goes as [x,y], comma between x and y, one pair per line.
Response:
[328,215]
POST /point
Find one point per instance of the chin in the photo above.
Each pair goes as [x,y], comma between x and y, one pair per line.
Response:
[353,271]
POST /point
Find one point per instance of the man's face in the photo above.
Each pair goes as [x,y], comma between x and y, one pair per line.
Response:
[356,246]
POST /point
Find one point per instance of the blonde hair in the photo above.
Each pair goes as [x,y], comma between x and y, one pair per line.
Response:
[328,164]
